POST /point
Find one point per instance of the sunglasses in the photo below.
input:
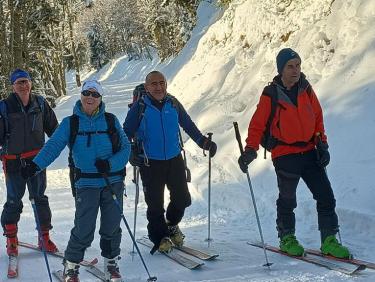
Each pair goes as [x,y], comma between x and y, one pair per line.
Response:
[87,93]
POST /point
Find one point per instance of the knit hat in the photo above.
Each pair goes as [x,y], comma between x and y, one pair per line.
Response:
[93,84]
[284,56]
[18,73]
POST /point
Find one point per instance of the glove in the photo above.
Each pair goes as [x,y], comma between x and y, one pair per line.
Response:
[208,145]
[323,154]
[135,159]
[246,158]
[103,166]
[29,170]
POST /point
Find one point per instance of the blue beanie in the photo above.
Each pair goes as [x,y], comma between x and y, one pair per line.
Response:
[18,73]
[284,56]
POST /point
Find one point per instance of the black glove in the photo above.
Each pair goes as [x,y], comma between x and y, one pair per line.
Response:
[135,159]
[208,145]
[323,154]
[246,158]
[103,166]
[29,170]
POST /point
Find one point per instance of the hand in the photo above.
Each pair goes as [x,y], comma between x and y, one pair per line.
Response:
[323,154]
[103,166]
[135,159]
[29,170]
[209,145]
[246,158]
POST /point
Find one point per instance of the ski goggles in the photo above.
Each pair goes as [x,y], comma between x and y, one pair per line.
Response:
[87,93]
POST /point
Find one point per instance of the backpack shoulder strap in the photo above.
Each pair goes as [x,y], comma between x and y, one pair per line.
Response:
[74,126]
[272,93]
[41,100]
[112,132]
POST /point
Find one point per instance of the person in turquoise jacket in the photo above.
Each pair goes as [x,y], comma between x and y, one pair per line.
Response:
[93,156]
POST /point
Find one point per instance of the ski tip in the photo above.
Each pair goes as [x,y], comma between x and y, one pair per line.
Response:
[94,261]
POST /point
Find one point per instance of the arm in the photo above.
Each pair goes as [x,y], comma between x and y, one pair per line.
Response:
[319,123]
[258,122]
[52,149]
[131,123]
[50,120]
[188,125]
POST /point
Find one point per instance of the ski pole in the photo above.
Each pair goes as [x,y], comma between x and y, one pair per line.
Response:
[238,137]
[209,239]
[38,227]
[150,279]
[136,182]
[320,142]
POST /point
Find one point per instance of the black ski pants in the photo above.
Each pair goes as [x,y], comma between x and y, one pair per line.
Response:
[154,178]
[289,169]
[16,186]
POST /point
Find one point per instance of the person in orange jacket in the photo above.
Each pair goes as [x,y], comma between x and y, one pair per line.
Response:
[299,149]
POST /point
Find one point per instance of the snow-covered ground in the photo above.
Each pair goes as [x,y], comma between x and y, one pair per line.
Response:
[218,77]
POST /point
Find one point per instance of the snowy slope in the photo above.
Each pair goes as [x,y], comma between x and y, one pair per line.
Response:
[219,76]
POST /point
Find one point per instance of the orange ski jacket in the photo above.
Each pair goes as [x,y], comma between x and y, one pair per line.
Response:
[291,123]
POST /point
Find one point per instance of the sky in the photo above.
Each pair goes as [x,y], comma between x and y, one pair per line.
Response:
[218,77]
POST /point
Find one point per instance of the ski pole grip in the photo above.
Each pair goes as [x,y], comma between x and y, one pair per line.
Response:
[209,134]
[238,136]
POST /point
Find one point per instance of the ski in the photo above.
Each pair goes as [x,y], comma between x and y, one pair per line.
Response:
[351,260]
[97,273]
[57,254]
[347,269]
[174,255]
[197,253]
[59,275]
[13,266]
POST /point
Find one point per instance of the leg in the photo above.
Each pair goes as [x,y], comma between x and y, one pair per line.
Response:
[16,186]
[288,174]
[82,234]
[110,231]
[153,180]
[179,192]
[37,188]
[317,181]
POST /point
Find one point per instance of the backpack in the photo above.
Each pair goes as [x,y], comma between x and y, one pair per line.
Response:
[4,115]
[138,92]
[114,136]
[268,142]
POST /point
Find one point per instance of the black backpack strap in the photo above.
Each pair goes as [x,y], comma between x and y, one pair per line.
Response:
[74,125]
[112,132]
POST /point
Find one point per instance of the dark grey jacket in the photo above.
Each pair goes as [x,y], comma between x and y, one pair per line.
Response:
[27,125]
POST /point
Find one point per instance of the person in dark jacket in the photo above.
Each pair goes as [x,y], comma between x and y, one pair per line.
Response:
[299,150]
[153,124]
[24,121]
[100,171]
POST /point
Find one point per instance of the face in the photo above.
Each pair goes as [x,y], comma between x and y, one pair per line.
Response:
[90,103]
[156,86]
[291,72]
[22,87]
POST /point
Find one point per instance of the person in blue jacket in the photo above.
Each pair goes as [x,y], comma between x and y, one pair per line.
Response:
[93,156]
[153,124]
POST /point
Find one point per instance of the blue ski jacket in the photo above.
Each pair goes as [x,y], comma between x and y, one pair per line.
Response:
[158,130]
[85,153]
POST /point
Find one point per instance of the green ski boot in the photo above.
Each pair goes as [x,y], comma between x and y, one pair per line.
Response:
[332,247]
[290,245]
